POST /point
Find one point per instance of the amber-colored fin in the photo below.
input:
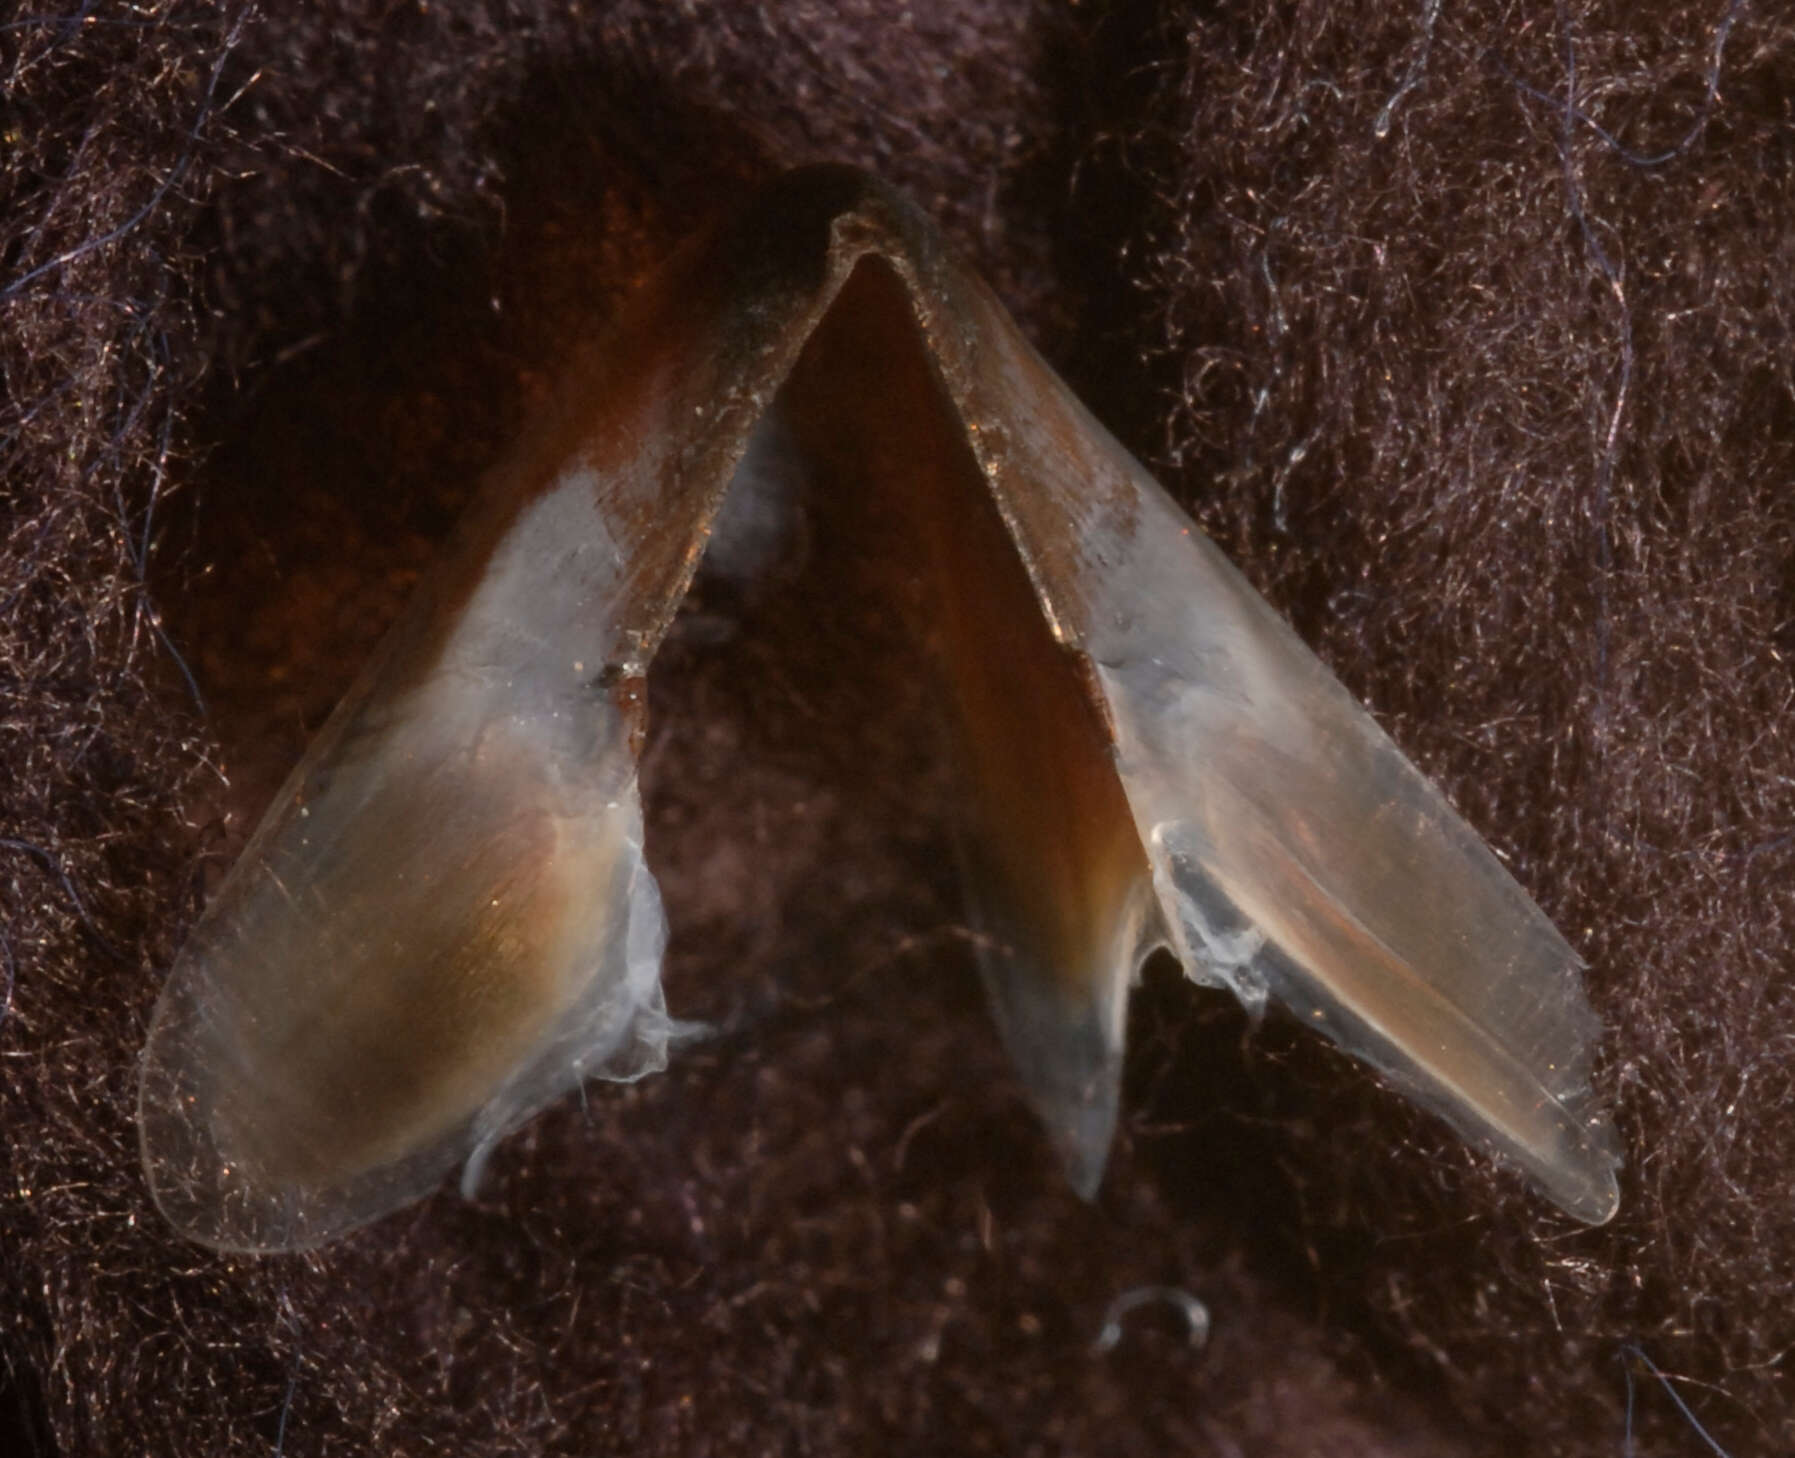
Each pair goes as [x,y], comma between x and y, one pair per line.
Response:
[446,920]
[1296,852]
[1060,892]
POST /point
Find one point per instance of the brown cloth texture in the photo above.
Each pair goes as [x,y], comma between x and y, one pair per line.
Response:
[1465,330]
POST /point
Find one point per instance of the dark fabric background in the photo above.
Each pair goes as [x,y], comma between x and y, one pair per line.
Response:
[1466,331]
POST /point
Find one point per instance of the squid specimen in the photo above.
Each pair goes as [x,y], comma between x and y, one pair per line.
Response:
[445,920]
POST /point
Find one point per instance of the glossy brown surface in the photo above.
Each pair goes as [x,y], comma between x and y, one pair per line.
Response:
[1061,894]
[1150,756]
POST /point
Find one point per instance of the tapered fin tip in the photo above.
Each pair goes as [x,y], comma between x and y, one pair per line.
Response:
[1602,1205]
[1082,1137]
[1067,1052]
[1590,1192]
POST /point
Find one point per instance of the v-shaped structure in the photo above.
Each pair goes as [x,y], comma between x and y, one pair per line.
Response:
[445,920]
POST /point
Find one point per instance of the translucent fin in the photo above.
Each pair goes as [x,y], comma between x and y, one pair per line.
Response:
[446,920]
[1060,893]
[1272,805]
[1295,851]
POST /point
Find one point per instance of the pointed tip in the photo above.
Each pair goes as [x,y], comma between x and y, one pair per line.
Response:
[1082,1136]
[1067,1048]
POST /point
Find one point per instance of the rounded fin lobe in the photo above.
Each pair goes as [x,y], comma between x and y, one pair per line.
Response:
[423,949]
[443,922]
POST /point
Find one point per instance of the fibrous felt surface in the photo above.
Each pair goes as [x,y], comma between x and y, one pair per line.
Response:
[1465,330]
